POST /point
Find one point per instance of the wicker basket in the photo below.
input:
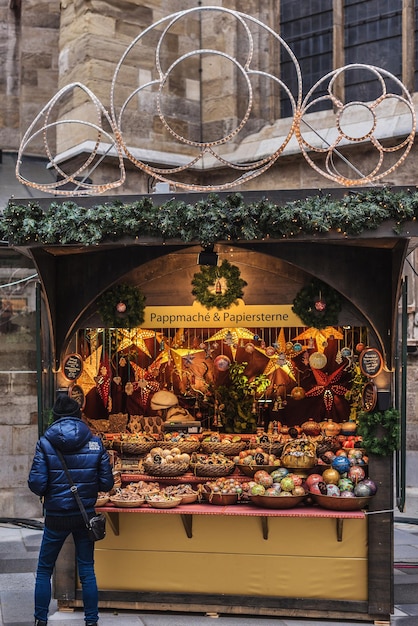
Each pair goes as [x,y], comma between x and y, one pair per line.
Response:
[167,469]
[229,449]
[184,446]
[136,447]
[212,470]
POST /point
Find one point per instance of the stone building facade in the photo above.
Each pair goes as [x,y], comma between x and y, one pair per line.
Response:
[47,45]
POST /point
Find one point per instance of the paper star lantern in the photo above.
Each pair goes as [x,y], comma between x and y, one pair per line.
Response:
[90,368]
[327,386]
[320,336]
[183,357]
[136,337]
[232,337]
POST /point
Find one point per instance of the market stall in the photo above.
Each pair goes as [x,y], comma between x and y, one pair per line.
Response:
[277,346]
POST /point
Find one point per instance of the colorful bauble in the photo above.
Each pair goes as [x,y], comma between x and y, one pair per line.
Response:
[356,473]
[341,464]
[222,363]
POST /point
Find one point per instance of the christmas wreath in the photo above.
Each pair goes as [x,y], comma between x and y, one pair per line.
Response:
[122,306]
[317,305]
[218,286]
[369,425]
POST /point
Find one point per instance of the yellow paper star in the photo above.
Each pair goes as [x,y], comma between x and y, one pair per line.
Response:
[136,337]
[234,334]
[182,353]
[274,363]
[320,336]
[90,369]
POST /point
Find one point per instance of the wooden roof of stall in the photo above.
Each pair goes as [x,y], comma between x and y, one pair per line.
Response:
[365,269]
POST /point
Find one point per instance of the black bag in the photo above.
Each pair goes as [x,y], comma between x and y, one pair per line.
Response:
[97,527]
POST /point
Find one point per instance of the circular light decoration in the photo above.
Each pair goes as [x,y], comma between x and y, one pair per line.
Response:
[356,122]
[212,150]
[48,122]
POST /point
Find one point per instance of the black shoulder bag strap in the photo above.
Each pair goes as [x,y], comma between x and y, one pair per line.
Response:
[73,488]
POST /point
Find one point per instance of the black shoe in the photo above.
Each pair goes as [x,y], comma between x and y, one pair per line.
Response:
[89,624]
[40,622]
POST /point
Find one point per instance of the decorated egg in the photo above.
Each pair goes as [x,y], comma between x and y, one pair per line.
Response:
[258,490]
[345,484]
[279,473]
[263,478]
[312,479]
[287,484]
[298,491]
[273,491]
[356,473]
[297,480]
[331,475]
[371,485]
[332,490]
[362,490]
[347,494]
[341,464]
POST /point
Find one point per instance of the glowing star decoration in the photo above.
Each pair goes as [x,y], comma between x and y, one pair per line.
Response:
[145,383]
[327,386]
[183,357]
[231,336]
[275,362]
[136,337]
[90,369]
[320,336]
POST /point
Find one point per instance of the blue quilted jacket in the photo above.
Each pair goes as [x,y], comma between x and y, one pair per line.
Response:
[86,459]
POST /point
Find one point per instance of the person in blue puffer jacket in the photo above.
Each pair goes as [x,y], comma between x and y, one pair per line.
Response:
[90,469]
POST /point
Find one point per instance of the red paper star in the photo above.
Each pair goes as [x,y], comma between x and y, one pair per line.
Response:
[326,386]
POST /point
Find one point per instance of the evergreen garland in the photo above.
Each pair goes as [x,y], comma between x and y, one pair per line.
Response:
[208,220]
[208,276]
[133,300]
[304,305]
[370,423]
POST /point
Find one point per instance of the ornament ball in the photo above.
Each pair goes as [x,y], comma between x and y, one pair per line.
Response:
[121,307]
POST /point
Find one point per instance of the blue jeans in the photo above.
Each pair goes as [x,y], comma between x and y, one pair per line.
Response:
[52,542]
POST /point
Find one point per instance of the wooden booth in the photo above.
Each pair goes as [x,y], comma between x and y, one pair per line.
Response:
[300,561]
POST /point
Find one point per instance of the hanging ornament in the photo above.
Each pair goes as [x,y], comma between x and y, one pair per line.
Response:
[297,347]
[129,389]
[222,363]
[317,360]
[297,393]
[320,304]
[359,347]
[121,307]
[270,351]
[218,288]
[249,348]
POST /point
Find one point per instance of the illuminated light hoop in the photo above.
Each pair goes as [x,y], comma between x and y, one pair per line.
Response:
[331,171]
[249,170]
[207,147]
[82,187]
